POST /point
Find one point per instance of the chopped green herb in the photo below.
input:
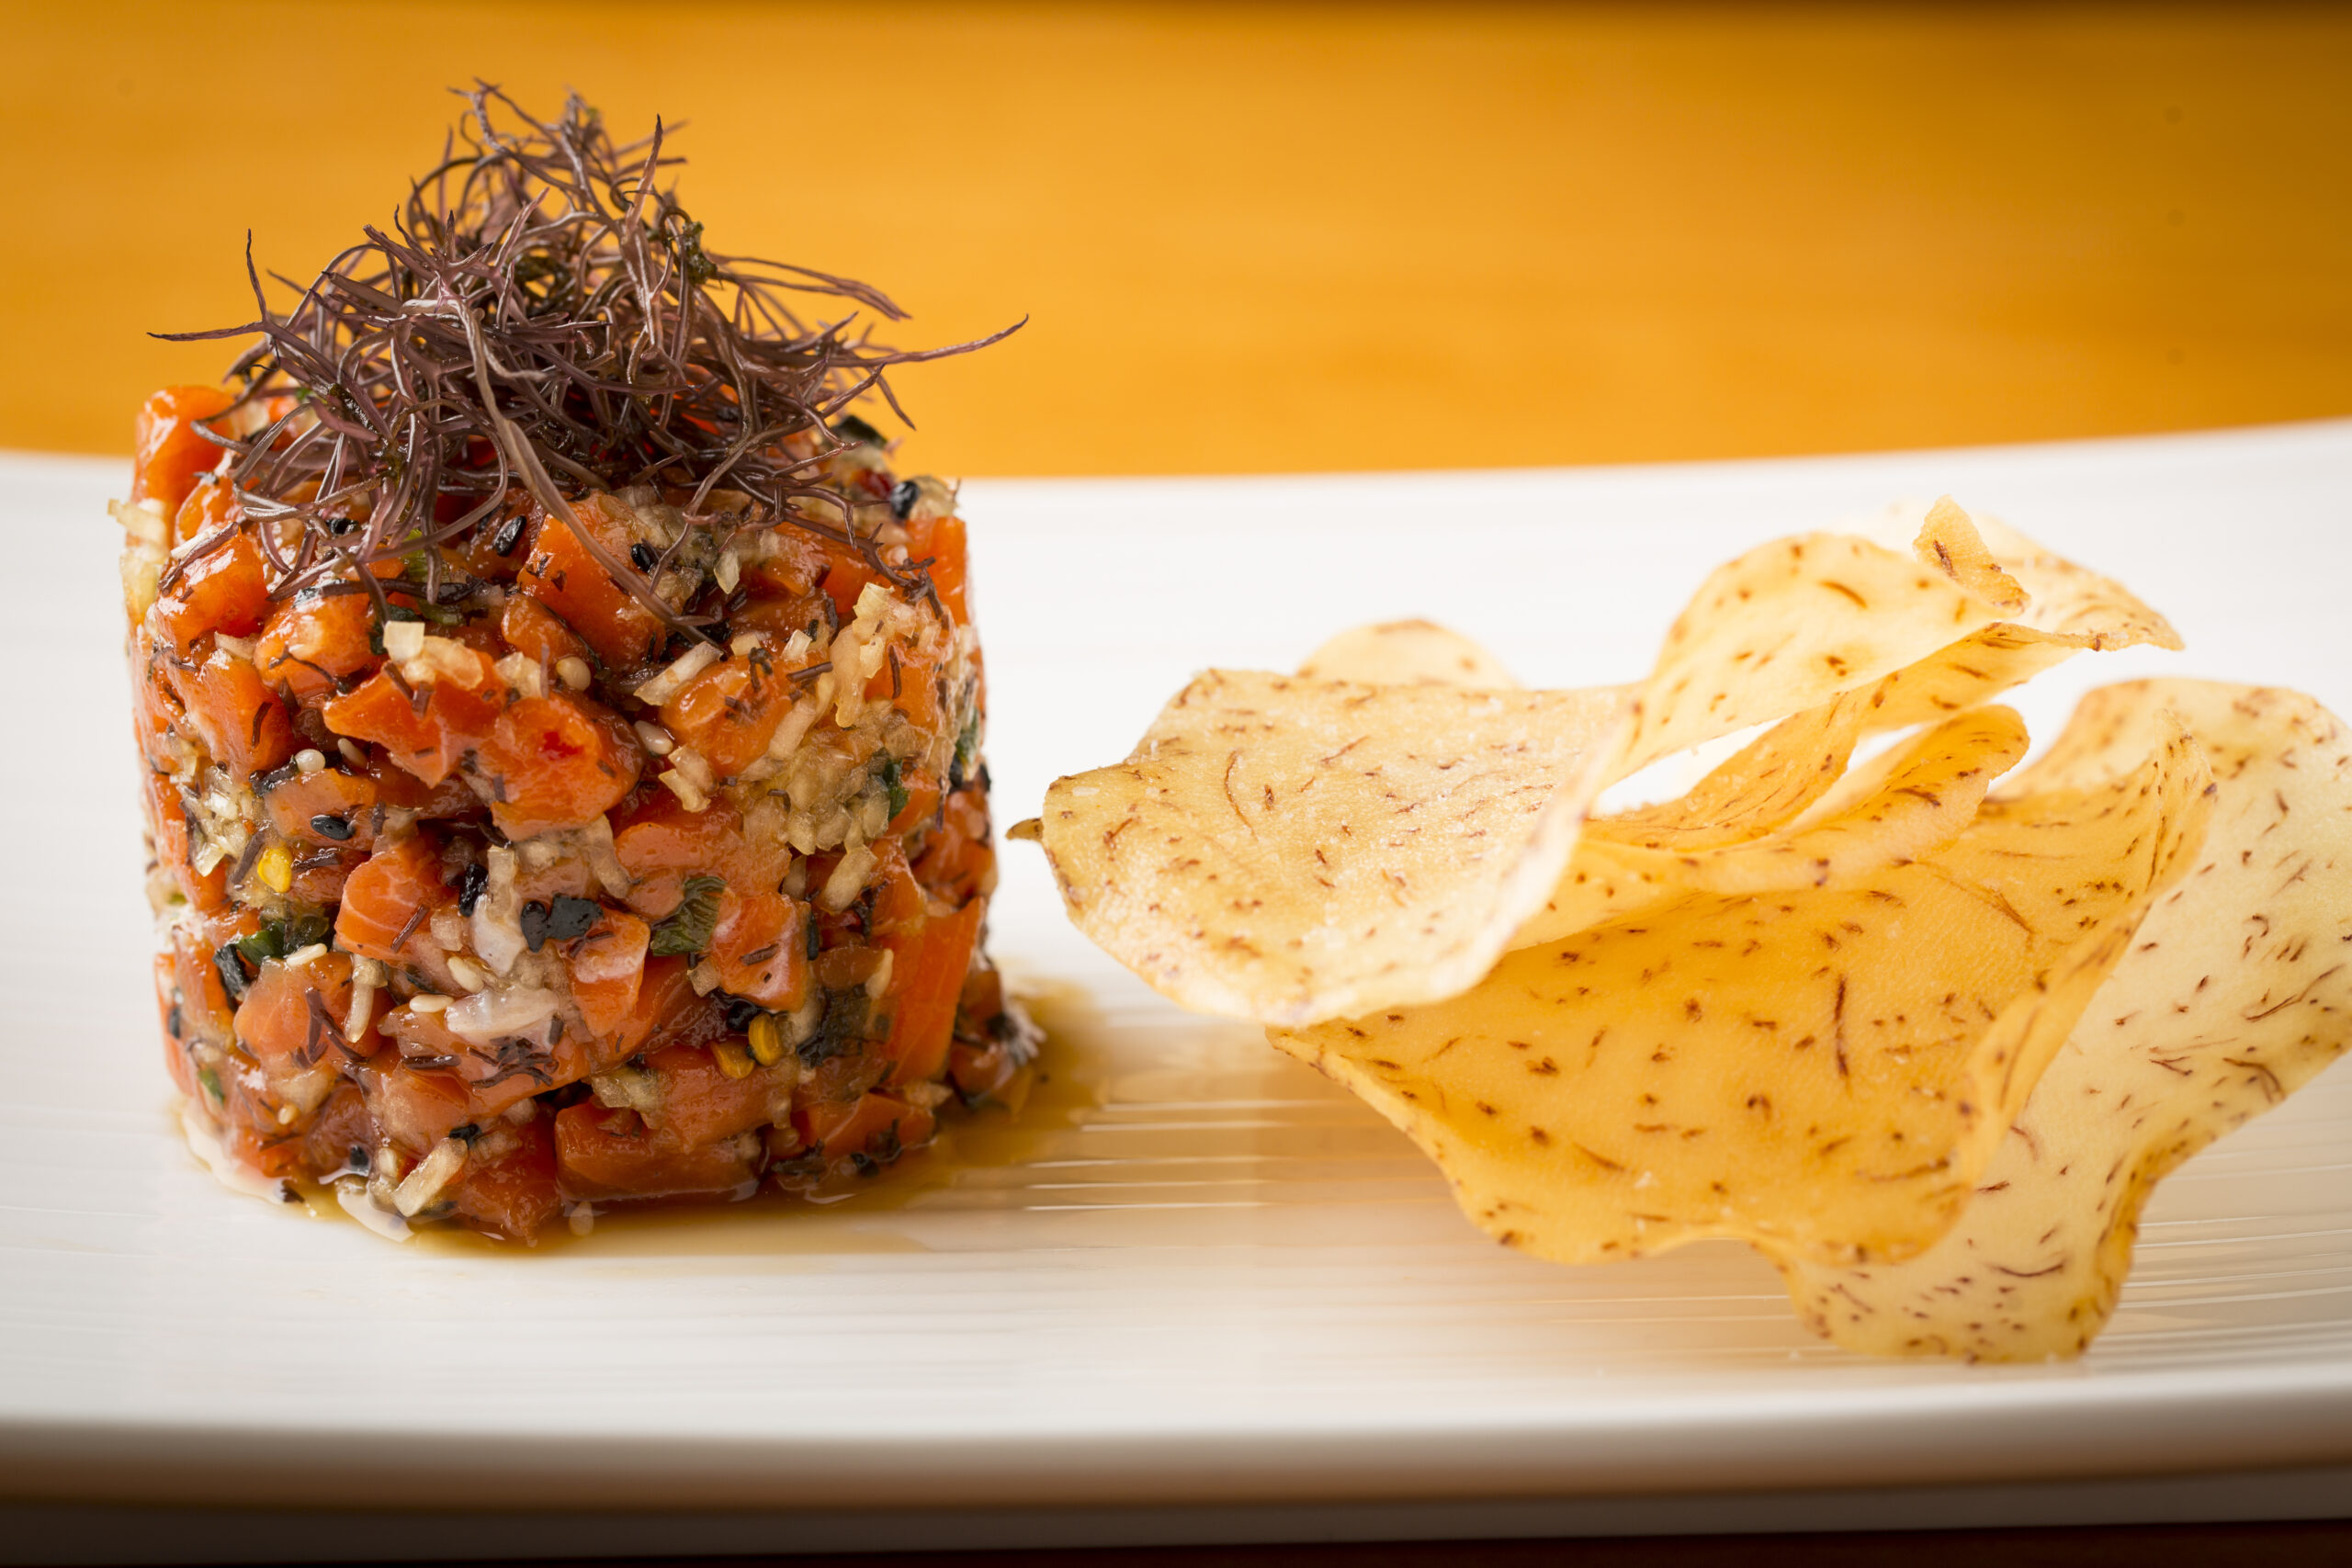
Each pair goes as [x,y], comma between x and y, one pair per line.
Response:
[893,777]
[212,1082]
[686,930]
[968,746]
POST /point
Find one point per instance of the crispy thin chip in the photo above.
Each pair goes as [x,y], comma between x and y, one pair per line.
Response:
[1289,850]
[1792,769]
[1950,537]
[2237,991]
[1821,1072]
[2062,599]
[1206,861]
[1768,782]
[1407,653]
[1928,795]
[1789,626]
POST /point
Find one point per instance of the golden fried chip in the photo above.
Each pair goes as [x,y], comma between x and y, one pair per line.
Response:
[1209,863]
[1794,766]
[1407,653]
[2236,991]
[1924,798]
[2063,599]
[1290,850]
[1821,1072]
[1951,538]
[1789,626]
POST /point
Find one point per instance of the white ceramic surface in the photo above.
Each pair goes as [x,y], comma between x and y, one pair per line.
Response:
[1194,1272]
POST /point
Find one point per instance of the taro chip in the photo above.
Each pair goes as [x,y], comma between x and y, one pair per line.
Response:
[2058,609]
[1821,1071]
[1925,798]
[1407,653]
[2236,991]
[1294,850]
[1289,848]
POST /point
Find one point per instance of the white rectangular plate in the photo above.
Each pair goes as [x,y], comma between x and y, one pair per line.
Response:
[1192,1272]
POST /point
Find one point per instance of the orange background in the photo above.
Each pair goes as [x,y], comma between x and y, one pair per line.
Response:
[1300,237]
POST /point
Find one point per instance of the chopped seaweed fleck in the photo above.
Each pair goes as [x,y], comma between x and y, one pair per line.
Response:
[685,931]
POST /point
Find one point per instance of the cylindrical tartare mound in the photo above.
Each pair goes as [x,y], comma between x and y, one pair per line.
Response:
[602,815]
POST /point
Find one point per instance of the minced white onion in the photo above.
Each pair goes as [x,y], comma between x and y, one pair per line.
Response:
[689,795]
[498,913]
[403,641]
[432,1175]
[596,837]
[848,879]
[788,734]
[523,674]
[509,1010]
[689,664]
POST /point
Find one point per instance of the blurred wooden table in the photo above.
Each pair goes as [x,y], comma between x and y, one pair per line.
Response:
[1309,237]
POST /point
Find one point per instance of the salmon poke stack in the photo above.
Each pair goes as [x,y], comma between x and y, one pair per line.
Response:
[562,725]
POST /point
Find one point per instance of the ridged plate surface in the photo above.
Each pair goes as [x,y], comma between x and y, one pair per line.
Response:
[1192,1269]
